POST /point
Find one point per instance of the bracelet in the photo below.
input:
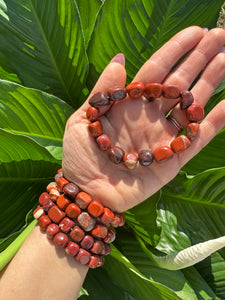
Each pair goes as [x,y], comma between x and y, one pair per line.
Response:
[77,222]
[151,91]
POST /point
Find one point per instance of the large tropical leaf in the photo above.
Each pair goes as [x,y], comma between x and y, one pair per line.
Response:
[44,44]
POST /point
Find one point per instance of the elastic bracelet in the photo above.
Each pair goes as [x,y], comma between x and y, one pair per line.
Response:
[75,221]
[150,91]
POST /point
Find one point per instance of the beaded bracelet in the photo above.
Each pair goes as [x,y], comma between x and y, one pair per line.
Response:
[76,222]
[151,91]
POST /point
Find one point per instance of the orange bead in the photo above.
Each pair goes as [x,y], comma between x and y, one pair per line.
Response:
[103,142]
[162,153]
[95,128]
[77,234]
[56,214]
[153,90]
[192,131]
[83,200]
[44,221]
[72,249]
[95,208]
[52,230]
[135,89]
[100,231]
[61,183]
[107,217]
[195,112]
[94,262]
[92,113]
[130,160]
[73,211]
[171,91]
[62,202]
[97,247]
[61,240]
[87,242]
[180,143]
[66,225]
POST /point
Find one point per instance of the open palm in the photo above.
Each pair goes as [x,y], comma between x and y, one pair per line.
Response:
[138,125]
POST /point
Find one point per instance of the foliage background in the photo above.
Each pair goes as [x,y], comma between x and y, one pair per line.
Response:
[51,54]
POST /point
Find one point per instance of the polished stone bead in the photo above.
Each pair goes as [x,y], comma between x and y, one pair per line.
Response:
[54,194]
[66,225]
[103,142]
[130,160]
[87,242]
[195,112]
[95,128]
[72,248]
[61,184]
[52,230]
[44,221]
[180,143]
[111,235]
[77,234]
[106,249]
[83,200]
[48,205]
[83,256]
[116,220]
[56,214]
[94,262]
[95,208]
[145,158]
[73,211]
[86,221]
[162,153]
[59,170]
[135,89]
[63,202]
[153,90]
[116,154]
[38,212]
[71,190]
[97,247]
[116,94]
[44,198]
[58,176]
[186,99]
[99,99]
[51,185]
[122,219]
[92,113]
[107,216]
[99,231]
[192,131]
[171,91]
[61,240]
[101,260]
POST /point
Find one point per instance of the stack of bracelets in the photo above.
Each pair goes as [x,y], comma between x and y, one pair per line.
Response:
[151,91]
[76,222]
[82,225]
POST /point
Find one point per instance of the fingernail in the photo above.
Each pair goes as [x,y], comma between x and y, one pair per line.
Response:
[222,50]
[205,30]
[119,58]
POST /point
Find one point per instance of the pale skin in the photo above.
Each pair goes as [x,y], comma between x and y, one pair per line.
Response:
[38,270]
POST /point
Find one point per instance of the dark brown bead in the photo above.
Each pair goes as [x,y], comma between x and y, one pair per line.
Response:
[87,242]
[153,90]
[171,91]
[110,236]
[97,247]
[86,221]
[58,176]
[103,142]
[186,99]
[71,190]
[106,249]
[116,94]
[195,112]
[145,157]
[135,89]
[99,99]
[95,128]
[116,154]
[92,113]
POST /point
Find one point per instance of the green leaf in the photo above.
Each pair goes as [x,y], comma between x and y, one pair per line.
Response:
[141,28]
[44,44]
[33,113]
[6,71]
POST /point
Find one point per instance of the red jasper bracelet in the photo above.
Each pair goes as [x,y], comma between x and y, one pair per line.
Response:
[76,222]
[151,91]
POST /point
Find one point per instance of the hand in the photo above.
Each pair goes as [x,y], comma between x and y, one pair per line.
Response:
[135,125]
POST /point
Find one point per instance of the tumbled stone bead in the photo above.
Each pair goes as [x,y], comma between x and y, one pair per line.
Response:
[162,153]
[106,249]
[38,212]
[116,154]
[195,112]
[107,216]
[72,248]
[56,214]
[171,91]
[63,202]
[145,158]
[59,170]
[94,262]
[51,185]
[54,194]
[66,225]
[61,239]
[95,208]
[95,128]
[77,234]
[52,230]
[58,176]
[130,160]
[97,247]
[44,221]
[192,131]
[71,190]
[44,198]
[101,260]
[122,219]
[92,113]
[87,242]
[111,235]
[48,205]
[116,220]
[103,142]
[83,200]
[186,99]
[61,184]
[135,89]
[83,256]
[153,90]
[99,231]
[73,211]
[99,99]
[116,94]
[180,143]
[86,221]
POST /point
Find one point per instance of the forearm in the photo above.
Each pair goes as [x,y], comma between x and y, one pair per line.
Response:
[42,271]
